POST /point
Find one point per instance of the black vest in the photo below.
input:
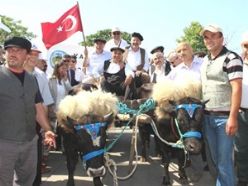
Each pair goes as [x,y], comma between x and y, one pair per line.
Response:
[18,114]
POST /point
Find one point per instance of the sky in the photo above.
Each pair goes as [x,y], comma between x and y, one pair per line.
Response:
[160,22]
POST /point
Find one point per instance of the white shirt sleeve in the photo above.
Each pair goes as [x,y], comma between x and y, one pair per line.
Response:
[147,64]
[128,71]
[79,75]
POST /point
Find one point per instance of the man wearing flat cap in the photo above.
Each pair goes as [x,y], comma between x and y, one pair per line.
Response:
[118,75]
[221,76]
[21,105]
[94,61]
[161,64]
[30,66]
[157,49]
[116,40]
[137,59]
[241,138]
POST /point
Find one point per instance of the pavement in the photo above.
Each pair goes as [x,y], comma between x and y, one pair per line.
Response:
[147,173]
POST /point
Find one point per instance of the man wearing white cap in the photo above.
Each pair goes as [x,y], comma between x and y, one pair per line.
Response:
[221,76]
[116,40]
[241,138]
[30,66]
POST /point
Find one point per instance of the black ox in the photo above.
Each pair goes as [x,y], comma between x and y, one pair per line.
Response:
[181,121]
[87,139]
[184,123]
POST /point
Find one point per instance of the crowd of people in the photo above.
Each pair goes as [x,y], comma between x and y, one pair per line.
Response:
[29,98]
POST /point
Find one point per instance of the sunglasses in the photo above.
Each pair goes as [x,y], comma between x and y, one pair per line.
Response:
[246,46]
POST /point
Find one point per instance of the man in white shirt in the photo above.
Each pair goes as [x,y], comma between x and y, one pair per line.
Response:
[116,40]
[30,66]
[156,61]
[188,70]
[137,58]
[173,59]
[190,65]
[159,71]
[241,138]
[94,61]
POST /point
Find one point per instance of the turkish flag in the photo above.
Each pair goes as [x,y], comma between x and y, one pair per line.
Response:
[63,28]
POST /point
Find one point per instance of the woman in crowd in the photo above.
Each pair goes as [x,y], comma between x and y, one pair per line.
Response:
[59,86]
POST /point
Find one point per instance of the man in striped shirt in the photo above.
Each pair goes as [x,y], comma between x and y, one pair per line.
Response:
[221,75]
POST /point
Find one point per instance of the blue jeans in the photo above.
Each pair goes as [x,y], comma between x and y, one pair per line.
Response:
[221,149]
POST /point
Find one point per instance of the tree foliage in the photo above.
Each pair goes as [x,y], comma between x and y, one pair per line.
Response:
[104,34]
[16,29]
[193,37]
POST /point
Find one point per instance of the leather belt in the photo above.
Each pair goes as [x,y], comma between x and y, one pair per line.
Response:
[216,113]
[244,109]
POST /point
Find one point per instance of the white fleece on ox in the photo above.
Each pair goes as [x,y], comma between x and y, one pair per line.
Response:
[97,103]
[174,90]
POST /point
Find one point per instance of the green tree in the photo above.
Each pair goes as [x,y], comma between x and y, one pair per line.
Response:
[104,34]
[16,29]
[193,37]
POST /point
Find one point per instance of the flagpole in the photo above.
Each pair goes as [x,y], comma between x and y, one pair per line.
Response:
[82,25]
[84,38]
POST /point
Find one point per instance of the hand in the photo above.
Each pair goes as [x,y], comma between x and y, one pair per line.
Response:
[128,80]
[138,73]
[231,126]
[50,139]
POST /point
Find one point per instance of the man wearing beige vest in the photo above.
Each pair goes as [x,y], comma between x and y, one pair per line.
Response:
[221,76]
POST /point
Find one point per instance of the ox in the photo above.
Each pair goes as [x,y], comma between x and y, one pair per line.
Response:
[179,116]
[145,129]
[84,119]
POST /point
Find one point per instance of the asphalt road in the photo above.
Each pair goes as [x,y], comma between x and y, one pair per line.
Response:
[147,174]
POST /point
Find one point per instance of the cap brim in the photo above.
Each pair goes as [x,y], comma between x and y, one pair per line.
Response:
[35,50]
[120,49]
[12,45]
[210,29]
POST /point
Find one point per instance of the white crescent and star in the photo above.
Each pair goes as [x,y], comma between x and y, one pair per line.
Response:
[74,22]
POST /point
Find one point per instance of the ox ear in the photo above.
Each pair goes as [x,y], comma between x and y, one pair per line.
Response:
[109,117]
[204,102]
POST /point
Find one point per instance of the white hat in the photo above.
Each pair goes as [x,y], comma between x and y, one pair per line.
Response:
[115,29]
[245,38]
[211,28]
[35,48]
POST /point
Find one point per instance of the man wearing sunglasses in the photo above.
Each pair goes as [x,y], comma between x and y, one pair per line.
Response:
[116,40]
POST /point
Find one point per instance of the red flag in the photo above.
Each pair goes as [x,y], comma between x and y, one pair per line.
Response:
[63,28]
